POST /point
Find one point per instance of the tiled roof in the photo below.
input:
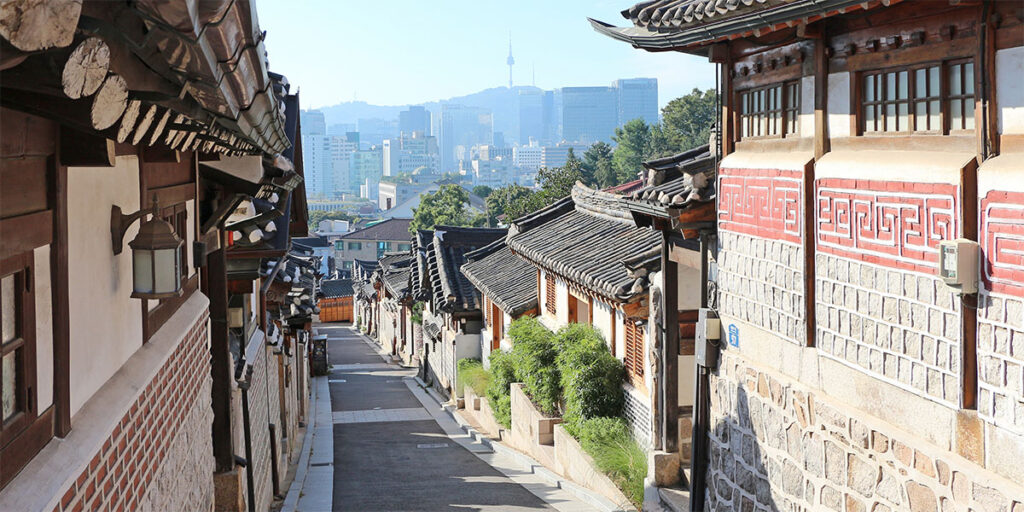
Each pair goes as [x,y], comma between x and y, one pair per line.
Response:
[422,248]
[336,288]
[679,180]
[390,229]
[504,278]
[311,241]
[673,14]
[451,244]
[587,239]
[625,188]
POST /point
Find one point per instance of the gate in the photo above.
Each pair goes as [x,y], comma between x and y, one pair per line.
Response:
[338,309]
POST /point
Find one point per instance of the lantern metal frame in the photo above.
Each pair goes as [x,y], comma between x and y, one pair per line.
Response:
[154,234]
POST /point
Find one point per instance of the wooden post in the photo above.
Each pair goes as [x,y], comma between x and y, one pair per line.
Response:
[216,288]
[670,348]
[969,325]
[60,295]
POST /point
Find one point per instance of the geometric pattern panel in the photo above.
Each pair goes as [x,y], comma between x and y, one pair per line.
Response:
[761,202]
[1002,241]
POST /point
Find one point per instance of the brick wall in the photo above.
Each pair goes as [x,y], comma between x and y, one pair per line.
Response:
[1001,310]
[776,445]
[160,455]
[259,419]
[760,260]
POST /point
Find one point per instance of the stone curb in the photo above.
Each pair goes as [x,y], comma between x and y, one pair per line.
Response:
[526,462]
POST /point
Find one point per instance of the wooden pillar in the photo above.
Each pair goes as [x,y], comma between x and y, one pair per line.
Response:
[216,288]
[60,295]
[670,347]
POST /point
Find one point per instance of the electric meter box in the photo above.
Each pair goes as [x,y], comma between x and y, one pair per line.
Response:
[958,265]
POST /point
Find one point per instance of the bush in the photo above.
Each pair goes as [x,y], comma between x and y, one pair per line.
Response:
[591,377]
[617,454]
[533,349]
[471,373]
[498,389]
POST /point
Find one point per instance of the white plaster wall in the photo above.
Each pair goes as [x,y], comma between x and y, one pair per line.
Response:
[105,322]
[604,320]
[839,104]
[688,283]
[806,118]
[620,334]
[44,328]
[1010,90]
[562,302]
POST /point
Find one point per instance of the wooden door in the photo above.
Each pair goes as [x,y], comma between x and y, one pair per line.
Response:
[573,309]
[497,325]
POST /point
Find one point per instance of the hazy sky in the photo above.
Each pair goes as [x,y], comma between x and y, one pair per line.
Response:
[412,51]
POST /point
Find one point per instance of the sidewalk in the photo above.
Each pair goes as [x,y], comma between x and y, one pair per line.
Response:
[313,487]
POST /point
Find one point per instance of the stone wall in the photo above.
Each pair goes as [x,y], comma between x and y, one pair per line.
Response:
[259,421]
[761,281]
[902,327]
[777,445]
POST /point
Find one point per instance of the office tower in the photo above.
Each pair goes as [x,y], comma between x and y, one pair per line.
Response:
[408,152]
[316,155]
[415,119]
[638,99]
[313,122]
[462,126]
[589,114]
[530,110]
[365,169]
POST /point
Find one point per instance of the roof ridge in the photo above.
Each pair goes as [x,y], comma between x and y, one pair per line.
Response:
[598,203]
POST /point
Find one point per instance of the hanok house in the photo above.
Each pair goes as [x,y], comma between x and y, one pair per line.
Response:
[508,288]
[113,248]
[676,197]
[336,300]
[391,281]
[371,242]
[867,261]
[364,296]
[452,310]
[594,266]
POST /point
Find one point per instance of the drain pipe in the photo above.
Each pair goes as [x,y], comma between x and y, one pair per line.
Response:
[243,384]
[706,355]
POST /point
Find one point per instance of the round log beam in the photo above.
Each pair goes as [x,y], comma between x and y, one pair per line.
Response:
[109,103]
[86,68]
[35,25]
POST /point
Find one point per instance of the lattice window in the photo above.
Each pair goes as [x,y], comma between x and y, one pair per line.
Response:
[549,294]
[634,356]
[936,98]
[771,111]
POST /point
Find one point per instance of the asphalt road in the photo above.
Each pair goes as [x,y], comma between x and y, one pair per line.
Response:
[407,462]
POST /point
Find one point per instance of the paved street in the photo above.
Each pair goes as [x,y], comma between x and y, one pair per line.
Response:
[392,453]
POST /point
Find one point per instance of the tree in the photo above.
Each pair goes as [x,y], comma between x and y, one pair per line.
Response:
[482,191]
[633,145]
[595,159]
[499,201]
[446,207]
[686,121]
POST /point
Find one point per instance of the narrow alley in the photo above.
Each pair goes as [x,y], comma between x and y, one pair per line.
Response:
[395,448]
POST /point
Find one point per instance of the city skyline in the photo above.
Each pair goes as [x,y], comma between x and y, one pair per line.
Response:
[403,66]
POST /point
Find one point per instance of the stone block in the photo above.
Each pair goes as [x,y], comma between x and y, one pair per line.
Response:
[835,463]
[987,499]
[665,467]
[921,497]
[879,442]
[831,498]
[854,504]
[904,454]
[969,436]
[889,488]
[863,476]
[924,464]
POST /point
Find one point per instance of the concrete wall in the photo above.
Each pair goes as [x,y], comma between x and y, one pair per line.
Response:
[102,311]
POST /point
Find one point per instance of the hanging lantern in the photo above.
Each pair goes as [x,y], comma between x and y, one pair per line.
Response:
[156,254]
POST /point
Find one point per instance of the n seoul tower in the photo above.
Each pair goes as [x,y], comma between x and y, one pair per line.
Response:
[510,61]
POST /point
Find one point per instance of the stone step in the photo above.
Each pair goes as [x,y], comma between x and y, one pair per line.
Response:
[674,499]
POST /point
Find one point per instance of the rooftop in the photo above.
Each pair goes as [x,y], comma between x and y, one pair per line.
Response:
[389,230]
[453,291]
[506,279]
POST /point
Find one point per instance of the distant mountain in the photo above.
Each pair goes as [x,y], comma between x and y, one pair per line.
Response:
[500,100]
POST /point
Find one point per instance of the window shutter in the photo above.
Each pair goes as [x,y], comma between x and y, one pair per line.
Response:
[549,288]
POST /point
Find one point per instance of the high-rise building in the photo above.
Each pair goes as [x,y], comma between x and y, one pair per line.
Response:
[530,110]
[556,156]
[316,155]
[415,119]
[408,152]
[462,126]
[638,99]
[342,148]
[374,130]
[589,114]
[527,157]
[365,169]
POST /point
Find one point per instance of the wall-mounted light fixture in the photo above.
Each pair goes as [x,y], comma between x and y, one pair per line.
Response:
[156,253]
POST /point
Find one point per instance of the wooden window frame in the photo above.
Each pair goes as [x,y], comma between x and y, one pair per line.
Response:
[944,99]
[550,294]
[633,355]
[786,111]
[26,432]
[154,318]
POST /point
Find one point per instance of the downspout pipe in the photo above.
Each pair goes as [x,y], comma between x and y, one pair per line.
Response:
[698,475]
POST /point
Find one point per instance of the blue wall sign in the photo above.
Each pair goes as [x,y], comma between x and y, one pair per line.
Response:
[734,335]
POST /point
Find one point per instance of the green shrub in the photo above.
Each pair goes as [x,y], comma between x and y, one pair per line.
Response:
[591,377]
[471,373]
[502,377]
[617,454]
[533,348]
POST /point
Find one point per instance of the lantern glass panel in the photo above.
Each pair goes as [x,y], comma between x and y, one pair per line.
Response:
[143,270]
[165,262]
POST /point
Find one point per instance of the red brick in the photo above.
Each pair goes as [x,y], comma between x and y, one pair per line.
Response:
[89,491]
[68,496]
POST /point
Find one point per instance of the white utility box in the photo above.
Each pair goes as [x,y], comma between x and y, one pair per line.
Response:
[958,265]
